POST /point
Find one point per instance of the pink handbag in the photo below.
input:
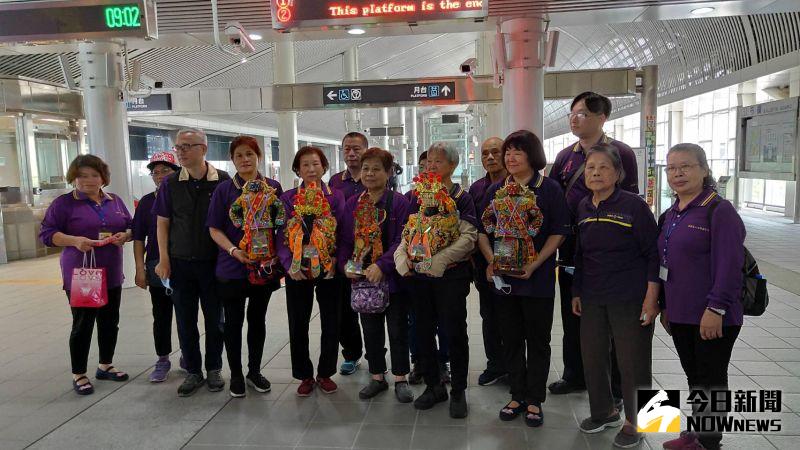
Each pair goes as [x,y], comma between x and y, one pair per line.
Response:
[88,285]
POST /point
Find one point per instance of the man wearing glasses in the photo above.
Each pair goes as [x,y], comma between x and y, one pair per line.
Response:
[187,257]
[588,113]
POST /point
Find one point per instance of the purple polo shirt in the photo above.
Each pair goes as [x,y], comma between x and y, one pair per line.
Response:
[344,182]
[224,195]
[335,200]
[570,159]
[144,226]
[75,215]
[478,191]
[555,221]
[398,217]
[616,254]
[704,260]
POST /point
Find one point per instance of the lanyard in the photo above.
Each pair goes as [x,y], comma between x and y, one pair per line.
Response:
[98,209]
[671,229]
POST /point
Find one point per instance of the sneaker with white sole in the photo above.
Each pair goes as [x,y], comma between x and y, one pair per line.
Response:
[591,426]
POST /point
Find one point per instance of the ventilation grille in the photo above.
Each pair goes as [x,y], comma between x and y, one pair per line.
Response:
[41,67]
[775,34]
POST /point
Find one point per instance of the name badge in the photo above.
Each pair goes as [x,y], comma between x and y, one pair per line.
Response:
[663,273]
[104,234]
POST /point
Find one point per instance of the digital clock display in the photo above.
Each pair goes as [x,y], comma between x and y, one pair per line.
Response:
[123,17]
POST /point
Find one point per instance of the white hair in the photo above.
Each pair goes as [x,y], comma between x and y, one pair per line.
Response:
[449,151]
[195,131]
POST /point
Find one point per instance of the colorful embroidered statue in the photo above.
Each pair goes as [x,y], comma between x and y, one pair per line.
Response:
[258,211]
[515,219]
[435,226]
[311,233]
[367,245]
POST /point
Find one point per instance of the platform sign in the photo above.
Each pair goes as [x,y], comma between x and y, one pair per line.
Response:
[288,14]
[77,19]
[153,102]
[429,92]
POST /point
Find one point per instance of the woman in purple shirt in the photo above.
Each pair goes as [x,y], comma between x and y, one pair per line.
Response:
[310,164]
[239,277]
[390,215]
[701,251]
[85,219]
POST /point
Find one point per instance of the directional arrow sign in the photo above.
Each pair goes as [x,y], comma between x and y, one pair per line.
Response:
[440,92]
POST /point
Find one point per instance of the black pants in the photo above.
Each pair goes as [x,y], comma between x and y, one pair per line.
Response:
[80,338]
[299,303]
[705,364]
[234,294]
[444,299]
[442,350]
[194,286]
[162,320]
[490,326]
[349,330]
[396,320]
[620,322]
[527,323]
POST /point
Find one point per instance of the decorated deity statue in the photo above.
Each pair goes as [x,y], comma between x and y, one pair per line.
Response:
[435,226]
[514,219]
[257,212]
[311,233]
[367,245]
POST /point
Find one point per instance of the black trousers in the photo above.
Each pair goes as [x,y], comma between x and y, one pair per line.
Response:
[80,338]
[395,317]
[490,326]
[444,299]
[526,326]
[299,303]
[413,348]
[234,294]
[194,286]
[705,364]
[162,320]
[349,330]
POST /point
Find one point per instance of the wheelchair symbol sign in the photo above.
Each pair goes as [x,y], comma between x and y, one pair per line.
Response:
[344,94]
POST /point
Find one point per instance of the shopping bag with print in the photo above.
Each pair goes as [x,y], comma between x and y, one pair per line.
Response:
[88,285]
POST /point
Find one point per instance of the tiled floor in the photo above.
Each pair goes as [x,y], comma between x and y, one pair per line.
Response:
[39,409]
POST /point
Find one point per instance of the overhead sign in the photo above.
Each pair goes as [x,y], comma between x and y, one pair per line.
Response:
[436,92]
[316,13]
[77,19]
[154,102]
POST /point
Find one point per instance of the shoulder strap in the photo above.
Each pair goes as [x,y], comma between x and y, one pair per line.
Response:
[575,177]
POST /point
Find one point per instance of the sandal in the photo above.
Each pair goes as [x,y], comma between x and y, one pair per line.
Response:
[108,374]
[534,419]
[82,389]
[510,413]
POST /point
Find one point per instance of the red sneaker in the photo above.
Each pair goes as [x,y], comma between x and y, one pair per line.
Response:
[686,438]
[306,387]
[327,385]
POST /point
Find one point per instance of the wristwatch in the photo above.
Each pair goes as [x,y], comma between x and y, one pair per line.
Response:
[717,311]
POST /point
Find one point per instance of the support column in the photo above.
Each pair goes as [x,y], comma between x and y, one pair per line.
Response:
[647,129]
[283,73]
[745,96]
[352,117]
[676,124]
[414,141]
[403,147]
[791,202]
[383,118]
[107,122]
[523,87]
[491,113]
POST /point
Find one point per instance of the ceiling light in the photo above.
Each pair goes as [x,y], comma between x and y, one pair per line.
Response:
[703,10]
[356,30]
[255,36]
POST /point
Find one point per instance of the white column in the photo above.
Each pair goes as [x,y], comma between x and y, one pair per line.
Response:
[383,118]
[647,131]
[491,113]
[676,124]
[523,87]
[403,147]
[414,140]
[107,122]
[352,117]
[793,187]
[283,73]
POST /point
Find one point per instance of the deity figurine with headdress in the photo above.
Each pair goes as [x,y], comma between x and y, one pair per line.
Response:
[435,226]
[257,212]
[367,247]
[311,233]
[514,219]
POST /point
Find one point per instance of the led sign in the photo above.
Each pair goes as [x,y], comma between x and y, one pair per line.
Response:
[315,13]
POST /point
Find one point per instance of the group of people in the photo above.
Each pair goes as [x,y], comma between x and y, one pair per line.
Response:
[379,261]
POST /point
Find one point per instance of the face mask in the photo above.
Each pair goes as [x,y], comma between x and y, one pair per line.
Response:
[165,283]
[501,285]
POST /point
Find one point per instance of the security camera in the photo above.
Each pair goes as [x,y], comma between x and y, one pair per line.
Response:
[150,82]
[237,36]
[468,67]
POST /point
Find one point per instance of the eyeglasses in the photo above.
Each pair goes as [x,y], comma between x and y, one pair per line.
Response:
[579,116]
[185,147]
[682,168]
[155,173]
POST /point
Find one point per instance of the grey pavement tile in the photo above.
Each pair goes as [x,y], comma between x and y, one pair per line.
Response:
[330,434]
[783,442]
[437,438]
[788,384]
[341,412]
[391,413]
[270,433]
[224,433]
[759,368]
[496,438]
[546,438]
[782,354]
[384,436]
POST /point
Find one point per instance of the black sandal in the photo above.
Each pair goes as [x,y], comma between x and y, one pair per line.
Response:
[82,389]
[534,419]
[109,375]
[510,413]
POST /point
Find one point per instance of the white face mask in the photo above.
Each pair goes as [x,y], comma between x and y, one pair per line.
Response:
[501,285]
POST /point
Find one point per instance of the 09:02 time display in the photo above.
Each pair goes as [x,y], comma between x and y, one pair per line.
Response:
[122,17]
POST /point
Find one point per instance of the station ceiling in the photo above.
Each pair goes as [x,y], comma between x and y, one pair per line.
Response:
[693,52]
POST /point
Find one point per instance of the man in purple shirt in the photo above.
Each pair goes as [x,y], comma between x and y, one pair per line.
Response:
[348,181]
[492,160]
[588,112]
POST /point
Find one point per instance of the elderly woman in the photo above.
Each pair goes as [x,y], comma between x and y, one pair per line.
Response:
[524,220]
[307,249]
[437,242]
[369,236]
[615,292]
[242,220]
[90,219]
[701,251]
